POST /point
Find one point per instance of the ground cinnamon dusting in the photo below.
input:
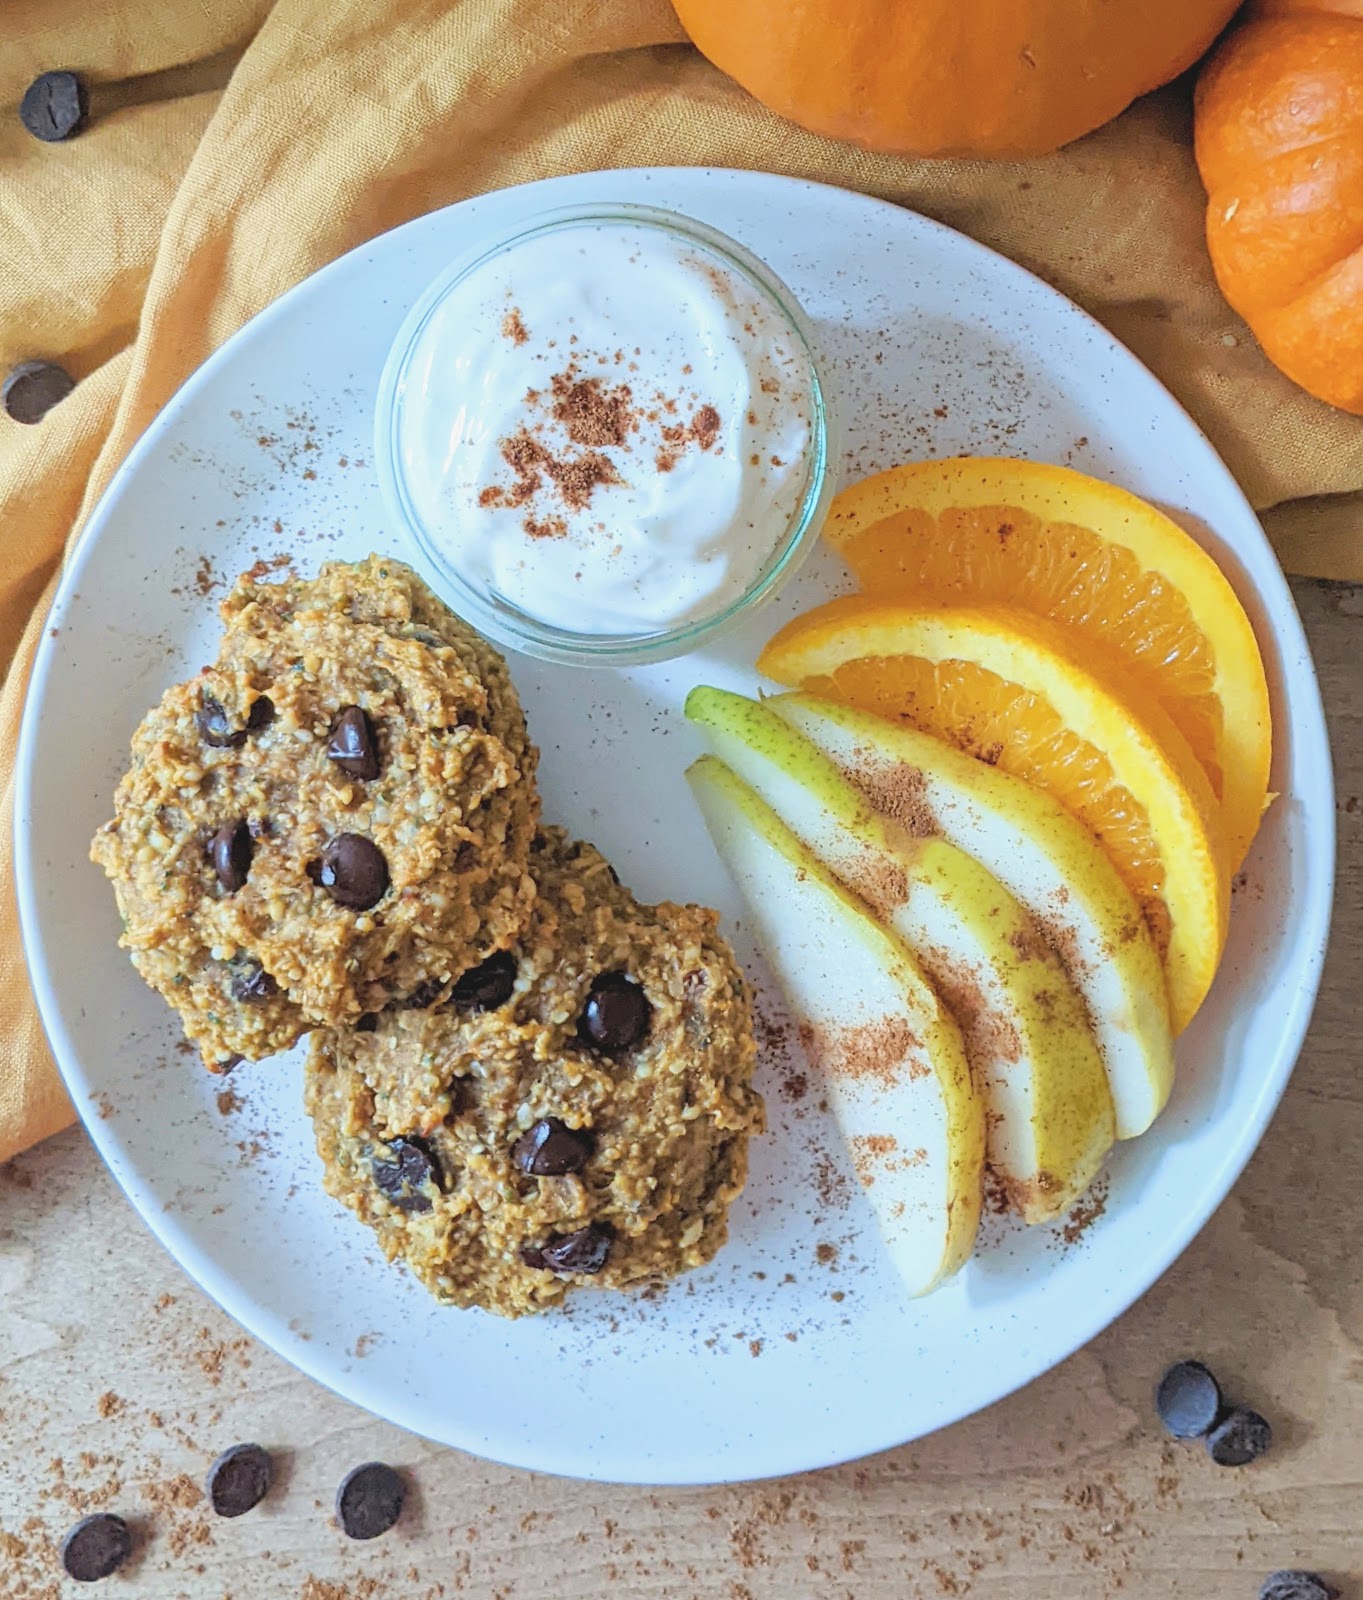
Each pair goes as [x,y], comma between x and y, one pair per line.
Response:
[1065,942]
[900,793]
[882,885]
[1083,1215]
[356,1589]
[702,430]
[595,416]
[883,1050]
[1028,943]
[180,1493]
[874,1153]
[830,1184]
[576,478]
[592,413]
[989,1035]
[1013,1195]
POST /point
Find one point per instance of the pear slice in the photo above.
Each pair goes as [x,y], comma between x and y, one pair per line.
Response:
[1026,1033]
[1044,857]
[890,1055]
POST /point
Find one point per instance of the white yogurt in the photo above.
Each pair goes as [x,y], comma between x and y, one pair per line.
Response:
[608,427]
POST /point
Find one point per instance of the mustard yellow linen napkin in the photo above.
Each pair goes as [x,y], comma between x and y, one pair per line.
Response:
[129,252]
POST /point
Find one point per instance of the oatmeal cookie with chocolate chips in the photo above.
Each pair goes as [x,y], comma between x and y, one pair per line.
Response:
[576,1113]
[334,817]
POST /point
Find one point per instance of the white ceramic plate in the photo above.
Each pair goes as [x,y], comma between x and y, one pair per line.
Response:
[796,1348]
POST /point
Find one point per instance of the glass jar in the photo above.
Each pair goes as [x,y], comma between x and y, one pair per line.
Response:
[574,449]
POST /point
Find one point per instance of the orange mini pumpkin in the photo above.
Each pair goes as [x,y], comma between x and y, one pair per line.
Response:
[1279,134]
[953,77]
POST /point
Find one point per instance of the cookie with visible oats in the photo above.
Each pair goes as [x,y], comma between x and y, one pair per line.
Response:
[577,1113]
[333,818]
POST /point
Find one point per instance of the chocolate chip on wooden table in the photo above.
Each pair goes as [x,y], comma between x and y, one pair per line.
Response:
[587,1250]
[406,1173]
[551,1148]
[486,986]
[250,981]
[353,872]
[54,106]
[1188,1400]
[369,1500]
[231,849]
[31,389]
[1295,1585]
[95,1547]
[1240,1437]
[352,745]
[617,1014]
[239,1480]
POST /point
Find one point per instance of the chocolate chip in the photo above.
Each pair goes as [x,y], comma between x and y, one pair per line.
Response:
[1240,1437]
[369,1500]
[487,986]
[239,1480]
[352,745]
[1296,1586]
[54,106]
[424,636]
[410,1170]
[468,718]
[250,982]
[31,389]
[261,714]
[423,997]
[617,1014]
[95,1547]
[1188,1400]
[352,871]
[551,1148]
[215,725]
[587,1250]
[230,850]
[368,1022]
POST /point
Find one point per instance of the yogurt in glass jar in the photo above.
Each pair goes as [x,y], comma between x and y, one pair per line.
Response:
[607,433]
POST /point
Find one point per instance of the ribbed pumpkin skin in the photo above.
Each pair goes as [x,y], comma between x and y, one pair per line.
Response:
[1279,137]
[953,77]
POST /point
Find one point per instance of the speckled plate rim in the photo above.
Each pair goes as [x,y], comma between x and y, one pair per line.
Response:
[786,1455]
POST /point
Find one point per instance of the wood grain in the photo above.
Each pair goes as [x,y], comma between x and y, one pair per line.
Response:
[119,1382]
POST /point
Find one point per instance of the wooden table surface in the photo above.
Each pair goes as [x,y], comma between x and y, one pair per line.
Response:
[119,1382]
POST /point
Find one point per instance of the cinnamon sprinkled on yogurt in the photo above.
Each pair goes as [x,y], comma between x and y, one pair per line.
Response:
[609,427]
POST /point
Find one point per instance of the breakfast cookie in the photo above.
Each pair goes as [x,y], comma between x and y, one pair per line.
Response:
[334,817]
[576,1113]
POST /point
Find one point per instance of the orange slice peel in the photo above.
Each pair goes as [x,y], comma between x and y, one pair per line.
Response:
[1144,598]
[1012,689]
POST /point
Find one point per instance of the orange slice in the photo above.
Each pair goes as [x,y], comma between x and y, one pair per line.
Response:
[1147,600]
[1006,687]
